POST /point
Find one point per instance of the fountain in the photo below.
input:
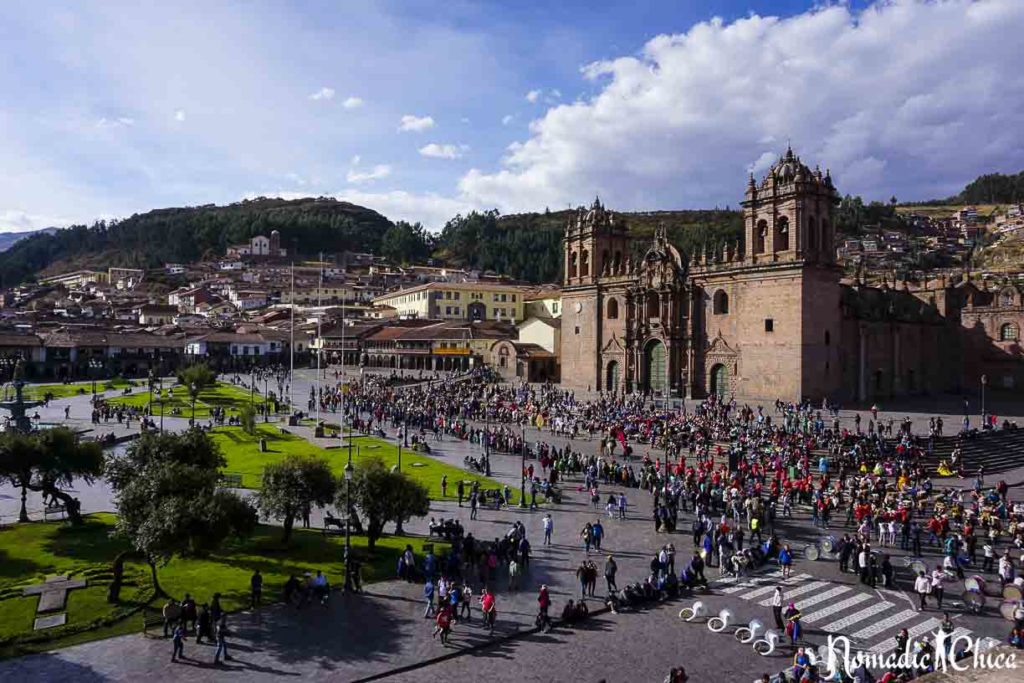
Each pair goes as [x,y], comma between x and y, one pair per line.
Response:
[18,421]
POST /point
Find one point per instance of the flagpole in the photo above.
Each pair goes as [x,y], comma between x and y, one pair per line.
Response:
[319,336]
[291,360]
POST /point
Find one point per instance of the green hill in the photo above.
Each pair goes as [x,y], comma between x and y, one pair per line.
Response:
[146,240]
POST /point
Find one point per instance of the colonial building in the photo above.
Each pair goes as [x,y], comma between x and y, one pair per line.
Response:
[769,317]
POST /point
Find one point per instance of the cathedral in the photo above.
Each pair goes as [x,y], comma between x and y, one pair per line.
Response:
[767,318]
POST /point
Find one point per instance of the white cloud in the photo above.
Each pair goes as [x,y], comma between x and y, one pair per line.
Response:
[323,93]
[681,122]
[442,151]
[354,161]
[356,176]
[352,102]
[118,122]
[179,115]
[507,119]
[533,96]
[12,220]
[415,124]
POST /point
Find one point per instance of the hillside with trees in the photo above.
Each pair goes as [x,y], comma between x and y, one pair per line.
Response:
[150,239]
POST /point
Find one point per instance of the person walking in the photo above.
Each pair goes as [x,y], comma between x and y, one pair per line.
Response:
[938,577]
[222,640]
[178,639]
[255,589]
[549,525]
[786,561]
[922,586]
[543,604]
[460,490]
[428,596]
[777,607]
[610,569]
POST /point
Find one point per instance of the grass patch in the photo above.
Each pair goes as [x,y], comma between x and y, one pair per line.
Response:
[30,552]
[176,402]
[244,457]
[36,392]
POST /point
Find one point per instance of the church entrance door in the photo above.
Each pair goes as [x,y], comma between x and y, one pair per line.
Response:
[654,367]
[611,382]
[719,381]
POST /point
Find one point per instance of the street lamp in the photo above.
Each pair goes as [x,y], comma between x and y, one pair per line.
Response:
[522,472]
[160,385]
[348,517]
[984,381]
[266,399]
[193,390]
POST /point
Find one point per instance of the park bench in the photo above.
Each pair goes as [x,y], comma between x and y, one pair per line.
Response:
[54,510]
[152,619]
[332,521]
[232,480]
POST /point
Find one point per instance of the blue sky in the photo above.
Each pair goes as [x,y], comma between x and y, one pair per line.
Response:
[424,109]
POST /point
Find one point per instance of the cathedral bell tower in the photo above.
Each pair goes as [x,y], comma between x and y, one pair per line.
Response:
[788,217]
[596,244]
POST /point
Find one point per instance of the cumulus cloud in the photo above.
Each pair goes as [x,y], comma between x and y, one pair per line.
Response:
[179,115]
[323,93]
[683,121]
[442,151]
[415,124]
[352,102]
[356,175]
[533,96]
[507,119]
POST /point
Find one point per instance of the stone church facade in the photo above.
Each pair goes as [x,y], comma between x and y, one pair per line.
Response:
[768,318]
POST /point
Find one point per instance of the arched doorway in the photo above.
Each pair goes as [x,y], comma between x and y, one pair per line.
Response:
[611,382]
[654,367]
[719,380]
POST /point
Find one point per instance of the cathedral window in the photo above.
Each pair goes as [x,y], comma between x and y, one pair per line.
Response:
[572,264]
[769,325]
[617,263]
[828,338]
[584,263]
[653,305]
[613,309]
[720,303]
[1009,332]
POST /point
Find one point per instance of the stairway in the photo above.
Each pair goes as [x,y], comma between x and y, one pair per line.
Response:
[996,451]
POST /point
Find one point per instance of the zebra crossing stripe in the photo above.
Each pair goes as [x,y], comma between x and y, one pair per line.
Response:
[925,627]
[865,613]
[762,580]
[885,624]
[789,595]
[828,611]
[822,597]
[759,592]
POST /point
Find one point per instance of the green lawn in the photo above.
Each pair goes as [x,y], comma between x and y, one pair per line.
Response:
[30,552]
[243,455]
[176,398]
[36,392]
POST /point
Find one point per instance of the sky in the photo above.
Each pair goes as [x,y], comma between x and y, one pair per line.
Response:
[422,110]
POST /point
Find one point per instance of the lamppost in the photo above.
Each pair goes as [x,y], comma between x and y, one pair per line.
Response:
[94,367]
[522,472]
[193,390]
[160,386]
[487,442]
[984,419]
[266,398]
[152,381]
[348,517]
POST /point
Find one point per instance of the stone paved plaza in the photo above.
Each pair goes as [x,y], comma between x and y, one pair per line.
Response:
[382,633]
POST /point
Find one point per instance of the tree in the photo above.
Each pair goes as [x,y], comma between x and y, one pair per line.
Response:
[292,486]
[47,462]
[195,378]
[247,419]
[386,496]
[405,243]
[166,489]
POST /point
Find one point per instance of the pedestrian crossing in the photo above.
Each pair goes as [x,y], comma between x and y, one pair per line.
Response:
[867,618]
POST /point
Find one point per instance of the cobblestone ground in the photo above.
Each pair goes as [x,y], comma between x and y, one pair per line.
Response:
[369,635]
